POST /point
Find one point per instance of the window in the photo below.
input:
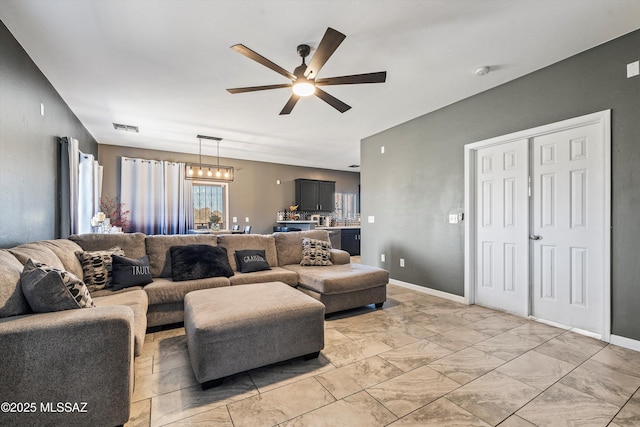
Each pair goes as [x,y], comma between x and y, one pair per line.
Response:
[346,206]
[210,199]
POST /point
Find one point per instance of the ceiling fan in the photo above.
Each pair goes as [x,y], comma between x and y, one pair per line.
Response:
[303,79]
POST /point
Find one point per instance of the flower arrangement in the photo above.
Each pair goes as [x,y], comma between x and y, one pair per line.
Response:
[214,221]
[114,210]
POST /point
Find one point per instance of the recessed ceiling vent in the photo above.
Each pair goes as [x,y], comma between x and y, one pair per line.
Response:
[126,128]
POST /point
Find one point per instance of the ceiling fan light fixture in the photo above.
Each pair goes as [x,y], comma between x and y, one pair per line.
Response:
[304,78]
[304,87]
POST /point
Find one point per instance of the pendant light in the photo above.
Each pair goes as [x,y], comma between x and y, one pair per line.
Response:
[200,171]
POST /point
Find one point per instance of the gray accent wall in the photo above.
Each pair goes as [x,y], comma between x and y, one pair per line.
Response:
[29,146]
[254,192]
[413,187]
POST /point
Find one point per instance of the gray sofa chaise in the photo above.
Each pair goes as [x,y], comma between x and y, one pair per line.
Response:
[87,355]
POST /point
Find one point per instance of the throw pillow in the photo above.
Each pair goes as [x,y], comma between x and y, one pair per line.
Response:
[191,262]
[250,260]
[127,272]
[51,289]
[96,266]
[315,252]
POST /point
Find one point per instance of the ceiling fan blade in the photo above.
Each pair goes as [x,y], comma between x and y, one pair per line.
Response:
[331,100]
[256,88]
[378,77]
[262,60]
[290,104]
[329,43]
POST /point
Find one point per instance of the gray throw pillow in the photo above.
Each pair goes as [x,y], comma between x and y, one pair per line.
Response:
[315,252]
[96,266]
[51,289]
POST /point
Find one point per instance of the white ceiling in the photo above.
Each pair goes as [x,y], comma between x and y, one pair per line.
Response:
[164,65]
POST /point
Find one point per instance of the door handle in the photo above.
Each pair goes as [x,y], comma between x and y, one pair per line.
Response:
[535,237]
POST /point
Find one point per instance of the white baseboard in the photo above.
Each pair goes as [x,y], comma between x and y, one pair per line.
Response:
[625,342]
[429,291]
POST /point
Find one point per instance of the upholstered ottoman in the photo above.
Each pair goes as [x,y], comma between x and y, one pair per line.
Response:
[343,286]
[237,328]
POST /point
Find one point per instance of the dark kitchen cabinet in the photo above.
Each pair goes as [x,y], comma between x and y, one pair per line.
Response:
[350,240]
[314,195]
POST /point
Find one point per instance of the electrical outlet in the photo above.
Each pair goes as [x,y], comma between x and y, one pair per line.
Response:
[453,218]
[382,149]
[401,262]
[234,219]
[246,219]
[382,258]
[371,219]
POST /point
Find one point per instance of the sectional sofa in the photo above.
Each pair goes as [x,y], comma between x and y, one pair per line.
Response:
[76,367]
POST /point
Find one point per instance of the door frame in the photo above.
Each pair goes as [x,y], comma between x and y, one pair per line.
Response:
[470,153]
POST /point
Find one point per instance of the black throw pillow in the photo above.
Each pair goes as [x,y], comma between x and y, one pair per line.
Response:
[191,262]
[127,272]
[250,260]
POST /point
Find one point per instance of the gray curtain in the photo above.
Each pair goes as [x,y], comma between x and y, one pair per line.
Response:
[157,195]
[64,190]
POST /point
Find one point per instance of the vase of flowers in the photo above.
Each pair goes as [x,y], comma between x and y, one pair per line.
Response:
[214,221]
[114,211]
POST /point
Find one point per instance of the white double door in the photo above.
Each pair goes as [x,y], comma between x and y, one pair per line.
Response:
[541,224]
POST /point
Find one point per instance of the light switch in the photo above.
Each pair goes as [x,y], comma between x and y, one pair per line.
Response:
[371,219]
[401,262]
[234,219]
[382,258]
[42,109]
[633,69]
[382,149]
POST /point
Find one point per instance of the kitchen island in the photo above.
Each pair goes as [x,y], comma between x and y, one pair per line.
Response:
[300,224]
[346,237]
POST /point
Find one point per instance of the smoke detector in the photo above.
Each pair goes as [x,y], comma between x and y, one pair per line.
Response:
[483,71]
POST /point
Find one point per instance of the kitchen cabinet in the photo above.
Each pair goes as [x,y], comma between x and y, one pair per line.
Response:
[314,195]
[350,240]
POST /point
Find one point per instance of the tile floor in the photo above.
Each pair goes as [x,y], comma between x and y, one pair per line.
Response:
[420,361]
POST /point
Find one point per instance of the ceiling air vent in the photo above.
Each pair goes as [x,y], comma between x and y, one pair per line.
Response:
[126,128]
